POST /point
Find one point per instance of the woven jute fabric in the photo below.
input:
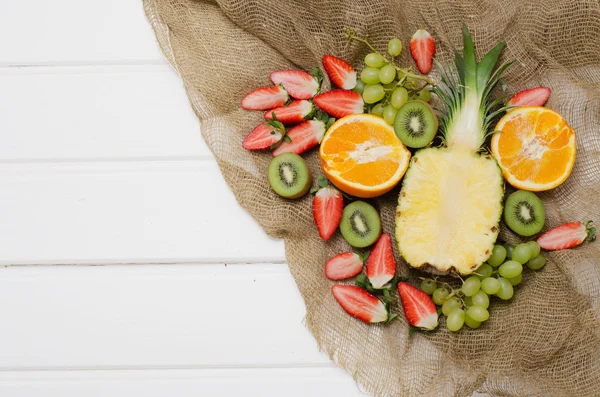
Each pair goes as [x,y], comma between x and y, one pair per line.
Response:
[545,341]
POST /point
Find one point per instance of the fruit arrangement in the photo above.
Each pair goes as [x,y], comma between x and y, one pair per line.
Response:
[376,130]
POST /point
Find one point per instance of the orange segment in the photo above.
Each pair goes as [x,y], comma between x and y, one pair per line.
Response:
[535,148]
[362,156]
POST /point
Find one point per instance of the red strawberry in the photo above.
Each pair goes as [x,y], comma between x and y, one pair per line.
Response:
[422,48]
[419,309]
[340,72]
[530,97]
[303,137]
[298,83]
[360,304]
[566,236]
[327,209]
[265,98]
[343,266]
[340,103]
[262,137]
[381,265]
[294,113]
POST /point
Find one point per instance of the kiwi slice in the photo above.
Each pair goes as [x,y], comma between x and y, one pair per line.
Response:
[289,176]
[360,224]
[416,124]
[524,213]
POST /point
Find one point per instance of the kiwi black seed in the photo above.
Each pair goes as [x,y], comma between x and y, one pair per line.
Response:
[416,124]
[360,224]
[289,176]
[524,213]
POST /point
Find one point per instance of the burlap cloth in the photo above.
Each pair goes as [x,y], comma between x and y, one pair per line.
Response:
[545,341]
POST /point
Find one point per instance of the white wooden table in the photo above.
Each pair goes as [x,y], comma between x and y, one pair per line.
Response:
[130,270]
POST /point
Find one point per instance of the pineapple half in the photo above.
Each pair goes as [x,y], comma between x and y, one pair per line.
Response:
[450,203]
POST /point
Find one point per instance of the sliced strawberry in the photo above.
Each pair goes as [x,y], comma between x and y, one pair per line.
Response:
[298,83]
[381,265]
[303,137]
[327,207]
[265,98]
[537,96]
[360,304]
[340,72]
[340,103]
[343,266]
[294,113]
[419,309]
[422,48]
[262,137]
[566,236]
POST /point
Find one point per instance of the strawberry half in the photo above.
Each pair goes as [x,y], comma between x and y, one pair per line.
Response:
[302,137]
[418,307]
[340,72]
[343,266]
[531,97]
[340,103]
[360,304]
[422,49]
[327,207]
[298,83]
[566,236]
[381,265]
[265,98]
[294,113]
[262,137]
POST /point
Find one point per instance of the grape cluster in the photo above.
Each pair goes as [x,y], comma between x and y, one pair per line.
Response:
[503,270]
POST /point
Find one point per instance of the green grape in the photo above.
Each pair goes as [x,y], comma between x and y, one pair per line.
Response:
[373,93]
[455,320]
[360,86]
[510,269]
[469,322]
[378,110]
[374,60]
[516,280]
[428,286]
[498,256]
[537,263]
[471,285]
[369,76]
[440,295]
[484,271]
[509,250]
[521,253]
[399,97]
[389,114]
[481,299]
[390,86]
[451,304]
[534,248]
[424,95]
[468,301]
[478,313]
[506,289]
[411,82]
[394,47]
[387,74]
[490,285]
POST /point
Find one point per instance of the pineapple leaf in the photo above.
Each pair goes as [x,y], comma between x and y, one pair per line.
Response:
[485,67]
[460,67]
[470,62]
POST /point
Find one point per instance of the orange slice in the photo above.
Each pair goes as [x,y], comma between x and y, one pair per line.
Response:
[362,156]
[535,148]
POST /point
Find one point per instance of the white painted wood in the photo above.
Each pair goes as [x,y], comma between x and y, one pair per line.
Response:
[125,212]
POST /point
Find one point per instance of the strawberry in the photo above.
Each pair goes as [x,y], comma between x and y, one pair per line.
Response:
[422,48]
[327,209]
[531,97]
[343,266]
[566,236]
[340,72]
[266,136]
[265,98]
[340,103]
[419,309]
[294,113]
[303,137]
[298,83]
[360,304]
[381,265]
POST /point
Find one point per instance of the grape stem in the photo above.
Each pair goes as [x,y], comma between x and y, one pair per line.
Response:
[351,35]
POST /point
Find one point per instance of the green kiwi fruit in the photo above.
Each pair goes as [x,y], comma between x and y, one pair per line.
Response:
[524,213]
[289,176]
[416,124]
[360,224]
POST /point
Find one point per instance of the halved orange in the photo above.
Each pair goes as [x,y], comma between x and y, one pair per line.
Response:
[535,148]
[362,156]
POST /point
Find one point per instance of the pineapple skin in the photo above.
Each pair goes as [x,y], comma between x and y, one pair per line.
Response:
[449,209]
